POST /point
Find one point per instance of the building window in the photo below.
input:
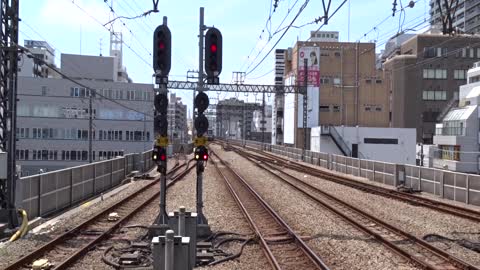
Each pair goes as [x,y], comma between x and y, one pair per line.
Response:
[367,108]
[434,73]
[324,80]
[337,81]
[459,74]
[378,81]
[434,95]
[380,141]
[472,53]
[324,108]
[336,108]
[450,152]
[368,81]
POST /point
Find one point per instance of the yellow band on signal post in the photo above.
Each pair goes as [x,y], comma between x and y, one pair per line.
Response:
[162,141]
[200,141]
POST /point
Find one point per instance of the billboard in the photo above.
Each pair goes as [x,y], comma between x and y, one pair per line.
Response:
[312,56]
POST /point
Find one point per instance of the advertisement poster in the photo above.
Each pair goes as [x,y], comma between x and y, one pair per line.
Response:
[312,54]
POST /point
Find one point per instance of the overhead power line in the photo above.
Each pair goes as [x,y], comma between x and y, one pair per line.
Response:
[29,54]
[128,46]
[270,37]
[285,32]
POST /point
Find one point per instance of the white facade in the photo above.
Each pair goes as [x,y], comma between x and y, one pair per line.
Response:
[324,36]
[373,143]
[457,137]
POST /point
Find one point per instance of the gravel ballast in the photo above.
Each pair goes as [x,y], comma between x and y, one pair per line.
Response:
[419,221]
[340,245]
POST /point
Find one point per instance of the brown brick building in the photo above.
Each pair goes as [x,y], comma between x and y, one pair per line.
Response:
[352,91]
[424,79]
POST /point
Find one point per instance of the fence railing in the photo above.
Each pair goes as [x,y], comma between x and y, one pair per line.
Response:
[51,192]
[450,185]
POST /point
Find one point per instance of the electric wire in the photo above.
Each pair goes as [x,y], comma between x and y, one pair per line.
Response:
[128,46]
[31,55]
[285,32]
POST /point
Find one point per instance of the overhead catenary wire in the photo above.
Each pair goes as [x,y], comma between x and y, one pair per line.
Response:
[259,38]
[336,10]
[31,55]
[110,6]
[128,46]
[285,32]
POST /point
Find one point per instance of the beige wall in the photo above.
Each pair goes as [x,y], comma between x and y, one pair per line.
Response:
[365,105]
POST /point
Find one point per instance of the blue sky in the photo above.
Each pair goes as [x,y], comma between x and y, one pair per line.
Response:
[71,30]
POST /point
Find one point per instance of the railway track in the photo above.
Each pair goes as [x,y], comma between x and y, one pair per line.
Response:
[407,245]
[373,189]
[68,247]
[283,247]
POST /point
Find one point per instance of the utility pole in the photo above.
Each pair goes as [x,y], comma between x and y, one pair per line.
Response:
[8,108]
[305,107]
[263,117]
[238,77]
[90,126]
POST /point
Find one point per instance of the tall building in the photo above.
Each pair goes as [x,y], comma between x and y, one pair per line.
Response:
[235,118]
[466,17]
[31,67]
[344,88]
[424,79]
[259,134]
[177,120]
[211,114]
[277,113]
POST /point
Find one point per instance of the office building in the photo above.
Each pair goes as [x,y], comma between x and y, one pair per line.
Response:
[466,18]
[424,79]
[344,88]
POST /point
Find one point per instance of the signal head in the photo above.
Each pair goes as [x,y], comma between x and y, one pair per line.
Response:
[201,124]
[162,50]
[201,102]
[213,52]
[161,103]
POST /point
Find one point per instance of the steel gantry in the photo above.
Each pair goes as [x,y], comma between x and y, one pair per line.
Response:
[8,98]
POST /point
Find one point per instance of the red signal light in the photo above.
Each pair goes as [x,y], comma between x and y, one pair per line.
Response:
[205,157]
[163,157]
[213,48]
[161,45]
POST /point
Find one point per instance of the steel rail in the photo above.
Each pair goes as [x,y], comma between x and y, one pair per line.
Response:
[377,190]
[399,241]
[74,232]
[282,246]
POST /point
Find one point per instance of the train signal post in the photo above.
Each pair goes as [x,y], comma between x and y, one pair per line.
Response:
[162,43]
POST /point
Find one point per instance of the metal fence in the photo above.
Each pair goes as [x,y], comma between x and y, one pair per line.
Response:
[51,192]
[450,185]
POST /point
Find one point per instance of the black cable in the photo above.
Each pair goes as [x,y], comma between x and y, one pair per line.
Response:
[31,55]
[234,256]
[285,32]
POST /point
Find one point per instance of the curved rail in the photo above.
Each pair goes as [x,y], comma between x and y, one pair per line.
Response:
[65,249]
[283,247]
[399,241]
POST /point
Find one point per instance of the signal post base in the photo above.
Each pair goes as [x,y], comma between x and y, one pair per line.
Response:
[203,230]
[157,230]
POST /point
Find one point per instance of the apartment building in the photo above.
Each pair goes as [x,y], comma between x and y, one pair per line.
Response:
[424,79]
[466,17]
[457,136]
[177,120]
